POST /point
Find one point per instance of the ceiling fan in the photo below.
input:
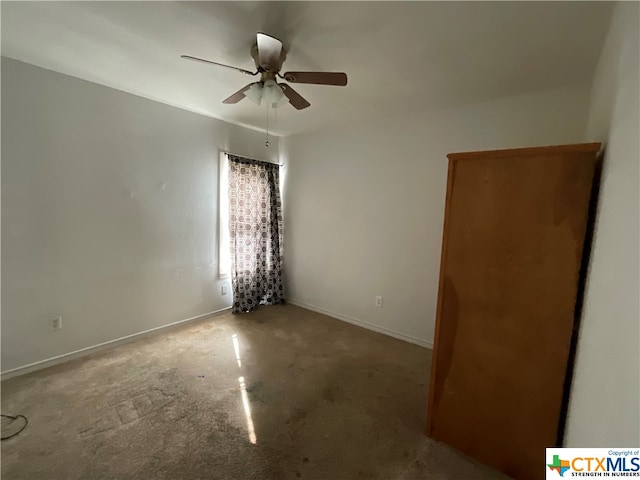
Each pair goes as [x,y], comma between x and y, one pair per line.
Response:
[268,55]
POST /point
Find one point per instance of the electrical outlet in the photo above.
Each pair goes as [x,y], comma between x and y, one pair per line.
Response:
[378,301]
[56,323]
[223,289]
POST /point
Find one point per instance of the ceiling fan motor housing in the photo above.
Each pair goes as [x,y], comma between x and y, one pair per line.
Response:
[267,68]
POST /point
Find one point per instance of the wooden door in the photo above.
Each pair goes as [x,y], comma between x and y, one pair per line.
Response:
[514,231]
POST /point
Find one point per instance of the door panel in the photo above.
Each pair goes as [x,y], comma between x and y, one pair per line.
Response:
[514,234]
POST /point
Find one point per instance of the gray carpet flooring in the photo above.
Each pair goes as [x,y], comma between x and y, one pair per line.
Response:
[281,393]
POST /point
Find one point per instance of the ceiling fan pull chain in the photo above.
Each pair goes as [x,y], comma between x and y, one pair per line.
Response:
[266,143]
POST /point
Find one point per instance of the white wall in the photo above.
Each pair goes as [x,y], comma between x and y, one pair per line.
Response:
[365,205]
[605,400]
[109,206]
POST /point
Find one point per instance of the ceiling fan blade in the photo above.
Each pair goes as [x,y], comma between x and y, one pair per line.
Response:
[294,97]
[269,51]
[319,78]
[189,57]
[239,95]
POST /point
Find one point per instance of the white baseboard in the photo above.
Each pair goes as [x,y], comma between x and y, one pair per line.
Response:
[363,324]
[48,362]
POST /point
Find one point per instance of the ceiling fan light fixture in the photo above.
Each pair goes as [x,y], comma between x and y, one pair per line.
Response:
[283,100]
[254,93]
[271,92]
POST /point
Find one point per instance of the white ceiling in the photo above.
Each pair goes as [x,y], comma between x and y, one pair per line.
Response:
[401,57]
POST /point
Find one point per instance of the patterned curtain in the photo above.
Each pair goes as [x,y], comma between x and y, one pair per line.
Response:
[255,228]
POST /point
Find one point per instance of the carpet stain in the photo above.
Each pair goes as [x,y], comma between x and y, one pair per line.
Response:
[296,417]
[332,393]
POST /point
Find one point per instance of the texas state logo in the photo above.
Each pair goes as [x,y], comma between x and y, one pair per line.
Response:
[592,462]
[559,465]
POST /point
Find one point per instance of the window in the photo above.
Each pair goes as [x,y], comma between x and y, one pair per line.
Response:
[224,255]
[255,233]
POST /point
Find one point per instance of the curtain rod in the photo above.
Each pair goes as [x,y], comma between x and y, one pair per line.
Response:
[257,160]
